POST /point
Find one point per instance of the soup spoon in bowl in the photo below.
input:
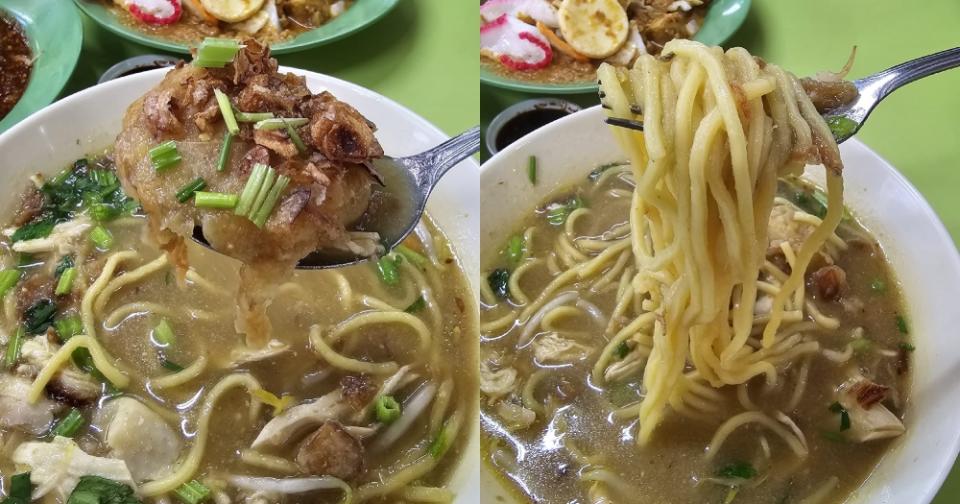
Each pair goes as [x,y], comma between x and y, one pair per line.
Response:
[396,207]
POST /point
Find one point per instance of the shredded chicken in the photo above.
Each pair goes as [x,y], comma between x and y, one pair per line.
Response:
[498,383]
[869,418]
[58,465]
[552,348]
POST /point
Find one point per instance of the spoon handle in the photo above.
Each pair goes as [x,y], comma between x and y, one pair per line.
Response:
[434,163]
[883,83]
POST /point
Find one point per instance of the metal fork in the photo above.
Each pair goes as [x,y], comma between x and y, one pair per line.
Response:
[872,89]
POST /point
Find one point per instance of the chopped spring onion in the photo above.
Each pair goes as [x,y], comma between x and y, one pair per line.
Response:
[263,213]
[101,238]
[907,347]
[514,250]
[902,324]
[622,350]
[225,151]
[163,334]
[388,269]
[68,425]
[9,279]
[419,304]
[388,409]
[202,199]
[68,327]
[440,443]
[257,176]
[252,116]
[295,138]
[20,489]
[737,470]
[280,123]
[415,258]
[216,52]
[263,191]
[499,281]
[186,192]
[165,155]
[532,170]
[193,492]
[65,284]
[170,365]
[878,285]
[13,348]
[226,110]
[279,404]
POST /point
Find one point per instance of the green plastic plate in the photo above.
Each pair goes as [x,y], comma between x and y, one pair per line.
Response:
[55,37]
[722,21]
[356,17]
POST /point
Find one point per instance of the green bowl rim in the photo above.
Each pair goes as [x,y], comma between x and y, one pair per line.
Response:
[289,46]
[489,78]
[35,98]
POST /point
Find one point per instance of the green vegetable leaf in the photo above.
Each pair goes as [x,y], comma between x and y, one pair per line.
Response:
[737,470]
[388,269]
[33,230]
[20,489]
[499,281]
[418,304]
[558,212]
[39,316]
[97,490]
[64,264]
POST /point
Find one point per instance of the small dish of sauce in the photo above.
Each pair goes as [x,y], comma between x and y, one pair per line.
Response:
[136,65]
[524,117]
[15,63]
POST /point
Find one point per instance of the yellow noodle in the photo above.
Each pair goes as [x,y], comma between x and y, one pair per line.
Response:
[320,346]
[188,466]
[101,360]
[126,279]
[191,372]
[268,462]
[427,494]
[117,316]
[86,305]
[749,417]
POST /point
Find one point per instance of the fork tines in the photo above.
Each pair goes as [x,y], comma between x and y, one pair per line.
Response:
[624,123]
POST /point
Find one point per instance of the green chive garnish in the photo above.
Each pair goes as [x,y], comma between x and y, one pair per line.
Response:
[193,492]
[252,116]
[202,199]
[225,151]
[164,156]
[13,348]
[186,192]
[216,52]
[532,170]
[263,213]
[163,334]
[280,123]
[68,425]
[250,190]
[388,409]
[226,110]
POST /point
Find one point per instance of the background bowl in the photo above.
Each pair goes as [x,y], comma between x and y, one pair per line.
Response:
[921,252]
[55,36]
[357,17]
[53,138]
[723,20]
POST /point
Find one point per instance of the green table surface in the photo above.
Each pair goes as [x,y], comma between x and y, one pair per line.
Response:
[916,128]
[421,54]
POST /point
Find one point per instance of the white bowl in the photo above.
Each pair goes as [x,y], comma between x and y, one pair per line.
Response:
[923,257]
[90,120]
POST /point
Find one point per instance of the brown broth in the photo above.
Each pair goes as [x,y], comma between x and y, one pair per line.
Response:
[15,63]
[203,323]
[673,467]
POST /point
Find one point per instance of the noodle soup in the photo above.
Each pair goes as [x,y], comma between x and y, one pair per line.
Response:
[559,431]
[144,386]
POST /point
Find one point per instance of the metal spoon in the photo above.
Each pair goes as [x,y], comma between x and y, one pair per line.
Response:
[396,207]
[872,89]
